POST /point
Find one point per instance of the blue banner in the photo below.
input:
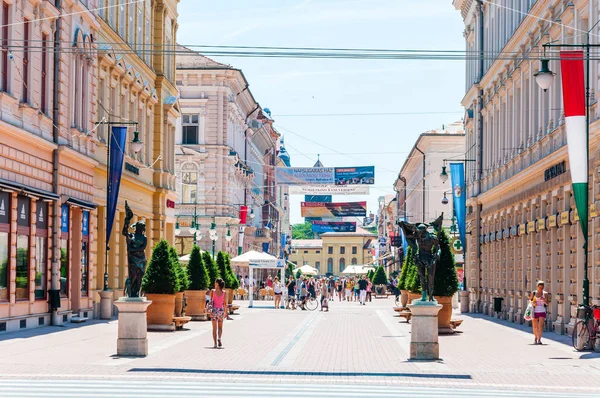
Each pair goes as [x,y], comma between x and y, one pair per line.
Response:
[85,223]
[459,193]
[355,175]
[115,169]
[265,247]
[283,243]
[333,226]
[64,218]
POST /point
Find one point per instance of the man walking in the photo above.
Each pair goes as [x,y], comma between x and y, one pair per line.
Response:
[362,286]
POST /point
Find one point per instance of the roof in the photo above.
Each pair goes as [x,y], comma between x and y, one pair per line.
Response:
[190,59]
[359,232]
[307,243]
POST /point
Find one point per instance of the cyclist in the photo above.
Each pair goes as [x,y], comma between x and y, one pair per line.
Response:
[303,294]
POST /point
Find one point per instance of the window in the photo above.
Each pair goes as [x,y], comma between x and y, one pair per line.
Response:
[4,244]
[330,250]
[305,251]
[330,265]
[23,229]
[190,130]
[190,187]
[41,249]
[342,250]
[354,261]
[122,17]
[169,49]
[342,264]
[44,80]
[354,250]
[5,33]
[26,28]
[318,266]
[318,251]
[148,32]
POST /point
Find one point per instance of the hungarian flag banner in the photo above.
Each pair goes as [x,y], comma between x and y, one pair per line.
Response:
[571,63]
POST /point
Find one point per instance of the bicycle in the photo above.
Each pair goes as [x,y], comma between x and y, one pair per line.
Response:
[587,329]
[310,303]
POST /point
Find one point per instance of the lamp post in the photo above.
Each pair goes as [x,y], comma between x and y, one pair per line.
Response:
[545,78]
[136,146]
[213,236]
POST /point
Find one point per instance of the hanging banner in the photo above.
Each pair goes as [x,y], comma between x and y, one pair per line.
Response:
[304,175]
[342,209]
[243,214]
[4,207]
[355,175]
[326,226]
[267,263]
[64,218]
[457,172]
[571,63]
[329,190]
[115,170]
[85,223]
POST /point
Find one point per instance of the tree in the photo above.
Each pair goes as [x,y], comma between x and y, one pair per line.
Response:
[412,282]
[211,267]
[160,277]
[222,268]
[197,273]
[298,274]
[370,274]
[234,282]
[408,262]
[380,278]
[289,270]
[445,283]
[182,278]
[302,231]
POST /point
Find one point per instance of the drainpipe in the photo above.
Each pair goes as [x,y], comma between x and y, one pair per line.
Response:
[423,153]
[55,270]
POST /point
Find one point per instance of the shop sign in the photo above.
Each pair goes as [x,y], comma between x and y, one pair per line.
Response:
[85,223]
[530,227]
[555,171]
[132,169]
[522,229]
[551,221]
[593,210]
[499,235]
[4,207]
[64,218]
[506,233]
[487,238]
[170,204]
[564,217]
[575,216]
[541,224]
[23,211]
[492,237]
[481,239]
[41,215]
[514,230]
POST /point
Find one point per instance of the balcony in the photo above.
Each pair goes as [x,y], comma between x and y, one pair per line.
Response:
[262,235]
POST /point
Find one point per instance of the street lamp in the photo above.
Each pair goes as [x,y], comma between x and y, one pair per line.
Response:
[444,199]
[213,236]
[228,237]
[252,215]
[444,175]
[193,228]
[544,77]
[177,228]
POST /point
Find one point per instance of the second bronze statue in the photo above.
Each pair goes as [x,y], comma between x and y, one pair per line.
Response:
[136,253]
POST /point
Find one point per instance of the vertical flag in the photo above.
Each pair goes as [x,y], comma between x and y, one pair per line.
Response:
[115,169]
[459,198]
[571,63]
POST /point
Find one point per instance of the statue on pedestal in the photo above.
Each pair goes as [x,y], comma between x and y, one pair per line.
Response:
[426,251]
[136,253]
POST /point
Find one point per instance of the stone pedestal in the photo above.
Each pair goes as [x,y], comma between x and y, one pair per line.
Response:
[464,301]
[106,304]
[424,330]
[133,333]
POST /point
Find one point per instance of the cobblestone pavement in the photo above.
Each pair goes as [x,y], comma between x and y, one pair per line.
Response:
[350,345]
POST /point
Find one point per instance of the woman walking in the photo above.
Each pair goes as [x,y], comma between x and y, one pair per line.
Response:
[540,300]
[277,291]
[369,289]
[339,285]
[218,312]
[325,295]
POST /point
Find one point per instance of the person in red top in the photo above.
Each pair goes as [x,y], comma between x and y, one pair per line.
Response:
[218,310]
[270,282]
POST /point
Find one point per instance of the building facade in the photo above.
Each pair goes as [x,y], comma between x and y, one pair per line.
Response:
[336,251]
[226,152]
[57,75]
[521,213]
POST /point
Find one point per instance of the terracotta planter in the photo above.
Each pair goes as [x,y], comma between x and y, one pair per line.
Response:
[161,311]
[445,315]
[196,304]
[229,296]
[412,296]
[403,298]
[178,303]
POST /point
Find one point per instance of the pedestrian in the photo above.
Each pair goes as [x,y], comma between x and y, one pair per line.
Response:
[356,289]
[349,286]
[303,294]
[340,289]
[277,291]
[369,289]
[312,288]
[325,296]
[218,311]
[540,300]
[362,286]
[270,282]
[291,290]
[247,282]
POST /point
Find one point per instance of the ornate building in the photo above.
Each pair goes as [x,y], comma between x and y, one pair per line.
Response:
[521,213]
[226,151]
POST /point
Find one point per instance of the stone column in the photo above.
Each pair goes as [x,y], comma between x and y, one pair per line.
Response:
[133,329]
[424,330]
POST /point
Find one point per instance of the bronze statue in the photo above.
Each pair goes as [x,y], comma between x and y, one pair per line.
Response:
[425,250]
[136,255]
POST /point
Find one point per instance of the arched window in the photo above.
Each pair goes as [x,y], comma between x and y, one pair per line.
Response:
[330,265]
[342,264]
[354,261]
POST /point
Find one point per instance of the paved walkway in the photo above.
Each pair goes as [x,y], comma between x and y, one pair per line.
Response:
[350,345]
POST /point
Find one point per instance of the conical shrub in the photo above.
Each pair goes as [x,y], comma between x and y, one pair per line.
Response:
[196,271]
[160,276]
[211,267]
[445,283]
[408,262]
[380,278]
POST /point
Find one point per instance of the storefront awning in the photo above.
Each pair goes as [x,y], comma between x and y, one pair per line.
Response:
[81,203]
[16,187]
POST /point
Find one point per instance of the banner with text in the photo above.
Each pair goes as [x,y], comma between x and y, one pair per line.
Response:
[325,226]
[355,175]
[329,190]
[325,175]
[342,209]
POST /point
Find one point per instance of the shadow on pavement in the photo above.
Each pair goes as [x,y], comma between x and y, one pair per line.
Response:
[46,330]
[299,373]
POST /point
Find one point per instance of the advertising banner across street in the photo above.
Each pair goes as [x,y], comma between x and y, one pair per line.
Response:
[327,226]
[355,175]
[364,175]
[329,190]
[342,209]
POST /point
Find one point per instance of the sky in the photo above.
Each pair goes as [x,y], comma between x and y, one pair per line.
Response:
[294,89]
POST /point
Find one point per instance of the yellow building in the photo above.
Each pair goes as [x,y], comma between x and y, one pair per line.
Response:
[334,251]
[136,65]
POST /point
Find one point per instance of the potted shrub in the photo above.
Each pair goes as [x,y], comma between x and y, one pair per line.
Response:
[412,284]
[182,281]
[380,280]
[160,284]
[211,267]
[408,262]
[232,281]
[196,293]
[222,267]
[445,283]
